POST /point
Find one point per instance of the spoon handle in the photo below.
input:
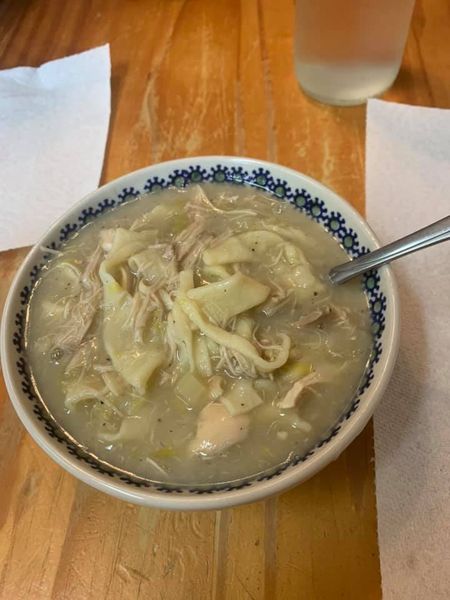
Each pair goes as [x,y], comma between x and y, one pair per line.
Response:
[428,236]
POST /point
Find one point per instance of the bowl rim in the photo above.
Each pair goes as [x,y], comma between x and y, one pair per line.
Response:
[226,498]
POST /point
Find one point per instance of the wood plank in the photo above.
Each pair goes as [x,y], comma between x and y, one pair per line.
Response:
[315,519]
[325,549]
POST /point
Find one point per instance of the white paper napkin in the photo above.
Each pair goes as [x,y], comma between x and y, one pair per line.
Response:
[53,130]
[408,187]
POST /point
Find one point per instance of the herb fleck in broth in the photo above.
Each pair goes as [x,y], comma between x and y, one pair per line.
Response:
[192,337]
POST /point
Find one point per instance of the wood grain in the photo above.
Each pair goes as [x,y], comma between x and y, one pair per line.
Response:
[195,77]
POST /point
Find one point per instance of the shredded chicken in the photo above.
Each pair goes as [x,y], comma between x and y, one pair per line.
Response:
[196,251]
[90,277]
[144,304]
[187,239]
[341,314]
[201,203]
[293,395]
[83,356]
[80,309]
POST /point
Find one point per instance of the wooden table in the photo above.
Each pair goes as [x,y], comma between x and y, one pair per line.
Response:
[188,78]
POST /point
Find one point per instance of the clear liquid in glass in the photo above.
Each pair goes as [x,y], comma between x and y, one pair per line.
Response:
[349,50]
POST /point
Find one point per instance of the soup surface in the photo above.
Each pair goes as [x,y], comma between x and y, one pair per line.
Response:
[191,336]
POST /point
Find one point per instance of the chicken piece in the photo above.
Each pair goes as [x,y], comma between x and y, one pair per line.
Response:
[188,238]
[217,430]
[201,204]
[80,308]
[292,396]
[340,313]
[82,357]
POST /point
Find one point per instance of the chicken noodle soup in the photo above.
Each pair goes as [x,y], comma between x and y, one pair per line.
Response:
[191,336]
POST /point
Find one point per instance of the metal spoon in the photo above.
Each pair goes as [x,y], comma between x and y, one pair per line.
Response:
[428,236]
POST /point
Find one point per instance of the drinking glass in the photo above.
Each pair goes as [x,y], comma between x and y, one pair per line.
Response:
[349,50]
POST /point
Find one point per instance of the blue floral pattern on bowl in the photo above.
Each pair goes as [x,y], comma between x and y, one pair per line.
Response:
[261,178]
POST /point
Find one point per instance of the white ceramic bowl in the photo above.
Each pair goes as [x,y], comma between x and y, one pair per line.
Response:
[321,204]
